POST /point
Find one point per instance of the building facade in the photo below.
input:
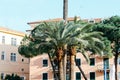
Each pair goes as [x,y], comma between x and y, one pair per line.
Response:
[40,68]
[10,60]
[99,68]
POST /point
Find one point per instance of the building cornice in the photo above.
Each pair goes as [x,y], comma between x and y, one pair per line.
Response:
[53,20]
[10,31]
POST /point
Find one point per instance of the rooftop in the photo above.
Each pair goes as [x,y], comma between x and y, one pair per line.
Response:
[53,20]
[10,31]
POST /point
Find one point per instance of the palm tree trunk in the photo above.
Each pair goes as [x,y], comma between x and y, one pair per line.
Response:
[79,67]
[65,10]
[60,63]
[65,15]
[53,67]
[65,61]
[115,62]
[72,65]
[72,62]
[60,72]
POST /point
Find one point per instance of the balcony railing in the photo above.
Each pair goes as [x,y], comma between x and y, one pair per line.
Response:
[101,67]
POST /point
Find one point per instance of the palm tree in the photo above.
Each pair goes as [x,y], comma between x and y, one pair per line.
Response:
[58,35]
[84,41]
[51,38]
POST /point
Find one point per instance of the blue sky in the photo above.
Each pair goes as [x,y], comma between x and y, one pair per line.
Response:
[15,14]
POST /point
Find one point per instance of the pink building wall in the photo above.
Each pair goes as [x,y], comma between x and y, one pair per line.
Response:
[36,68]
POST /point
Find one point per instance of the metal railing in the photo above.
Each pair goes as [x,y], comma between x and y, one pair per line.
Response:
[102,67]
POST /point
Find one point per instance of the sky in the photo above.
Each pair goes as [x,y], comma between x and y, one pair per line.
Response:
[15,14]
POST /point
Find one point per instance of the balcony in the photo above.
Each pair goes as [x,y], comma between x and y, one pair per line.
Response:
[100,67]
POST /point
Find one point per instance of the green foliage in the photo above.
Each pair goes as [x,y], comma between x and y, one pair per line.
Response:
[113,21]
[28,48]
[111,29]
[107,50]
[12,77]
[85,39]
[48,37]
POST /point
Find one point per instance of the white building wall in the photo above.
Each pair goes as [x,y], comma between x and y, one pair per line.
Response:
[21,65]
[8,38]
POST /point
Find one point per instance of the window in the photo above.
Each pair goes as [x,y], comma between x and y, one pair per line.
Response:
[78,76]
[22,60]
[45,63]
[106,76]
[92,61]
[13,57]
[3,55]
[67,76]
[45,76]
[106,63]
[13,41]
[3,39]
[119,61]
[2,76]
[92,75]
[78,62]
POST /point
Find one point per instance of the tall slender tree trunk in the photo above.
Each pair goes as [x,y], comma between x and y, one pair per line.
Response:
[72,65]
[60,71]
[65,10]
[53,67]
[82,72]
[115,62]
[65,16]
[72,62]
[60,63]
[65,61]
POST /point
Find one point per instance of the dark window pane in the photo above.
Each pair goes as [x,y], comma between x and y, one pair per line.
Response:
[92,61]
[45,76]
[92,75]
[106,63]
[106,75]
[3,55]
[45,63]
[13,57]
[78,62]
[78,76]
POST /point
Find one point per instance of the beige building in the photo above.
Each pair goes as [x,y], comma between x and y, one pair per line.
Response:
[98,69]
[10,60]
